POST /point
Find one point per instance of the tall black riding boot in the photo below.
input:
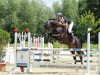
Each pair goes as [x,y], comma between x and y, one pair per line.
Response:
[72,37]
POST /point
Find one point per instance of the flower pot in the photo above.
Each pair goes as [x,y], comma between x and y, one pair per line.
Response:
[2,66]
[26,30]
[15,30]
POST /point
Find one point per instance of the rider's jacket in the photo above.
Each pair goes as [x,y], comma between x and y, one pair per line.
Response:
[65,20]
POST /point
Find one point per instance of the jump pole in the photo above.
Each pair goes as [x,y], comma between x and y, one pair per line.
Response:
[88,51]
[36,41]
[41,42]
[99,53]
[29,46]
[15,46]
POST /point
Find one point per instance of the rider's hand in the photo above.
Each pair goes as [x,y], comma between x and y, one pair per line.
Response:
[59,23]
[65,24]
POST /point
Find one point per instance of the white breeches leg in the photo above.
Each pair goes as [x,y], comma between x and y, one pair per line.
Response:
[70,27]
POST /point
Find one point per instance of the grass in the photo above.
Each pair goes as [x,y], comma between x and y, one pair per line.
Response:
[91,46]
[58,45]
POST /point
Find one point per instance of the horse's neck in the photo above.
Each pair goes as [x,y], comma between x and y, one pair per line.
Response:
[53,26]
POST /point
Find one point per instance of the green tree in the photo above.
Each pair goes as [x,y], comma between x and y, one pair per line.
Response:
[3,8]
[94,6]
[70,9]
[57,7]
[40,16]
[23,14]
[86,20]
[4,39]
[82,5]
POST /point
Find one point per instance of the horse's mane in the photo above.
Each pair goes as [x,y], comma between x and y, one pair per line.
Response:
[52,21]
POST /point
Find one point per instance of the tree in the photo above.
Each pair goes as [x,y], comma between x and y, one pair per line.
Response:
[70,9]
[94,6]
[23,14]
[40,16]
[86,20]
[4,39]
[3,8]
[57,7]
[82,5]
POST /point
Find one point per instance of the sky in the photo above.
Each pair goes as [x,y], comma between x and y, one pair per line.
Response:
[50,2]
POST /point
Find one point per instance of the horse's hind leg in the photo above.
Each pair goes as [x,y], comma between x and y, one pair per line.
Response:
[74,57]
[80,56]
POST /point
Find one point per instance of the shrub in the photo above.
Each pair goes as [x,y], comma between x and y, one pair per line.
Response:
[4,39]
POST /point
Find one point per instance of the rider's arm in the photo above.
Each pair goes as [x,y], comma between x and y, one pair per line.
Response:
[60,23]
[68,21]
[65,24]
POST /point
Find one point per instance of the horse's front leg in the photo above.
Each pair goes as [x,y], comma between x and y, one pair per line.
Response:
[50,39]
[74,57]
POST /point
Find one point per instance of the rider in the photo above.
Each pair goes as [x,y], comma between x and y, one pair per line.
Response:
[65,21]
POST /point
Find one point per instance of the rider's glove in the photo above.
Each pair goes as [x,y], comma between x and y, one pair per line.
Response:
[65,24]
[59,23]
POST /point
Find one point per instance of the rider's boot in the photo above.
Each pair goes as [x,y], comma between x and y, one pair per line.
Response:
[72,37]
[66,31]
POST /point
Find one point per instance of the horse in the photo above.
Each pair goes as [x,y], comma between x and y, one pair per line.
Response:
[58,32]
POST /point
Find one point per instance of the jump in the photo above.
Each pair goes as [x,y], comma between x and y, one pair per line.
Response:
[58,32]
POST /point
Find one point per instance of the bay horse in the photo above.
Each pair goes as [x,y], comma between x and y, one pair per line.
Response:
[58,32]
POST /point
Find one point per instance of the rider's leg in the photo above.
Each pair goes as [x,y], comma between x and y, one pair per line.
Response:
[70,27]
[70,32]
[72,37]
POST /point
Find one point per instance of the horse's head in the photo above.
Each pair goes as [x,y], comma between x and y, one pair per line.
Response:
[49,25]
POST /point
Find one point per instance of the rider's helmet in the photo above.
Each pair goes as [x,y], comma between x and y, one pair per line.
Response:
[59,14]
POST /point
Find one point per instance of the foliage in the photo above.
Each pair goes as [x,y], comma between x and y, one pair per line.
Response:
[4,39]
[86,20]
[57,7]
[32,14]
[70,9]
[82,5]
[56,44]
[94,6]
[23,14]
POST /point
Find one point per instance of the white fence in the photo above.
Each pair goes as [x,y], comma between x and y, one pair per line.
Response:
[41,53]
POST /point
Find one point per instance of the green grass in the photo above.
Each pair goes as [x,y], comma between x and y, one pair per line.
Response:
[58,45]
[91,45]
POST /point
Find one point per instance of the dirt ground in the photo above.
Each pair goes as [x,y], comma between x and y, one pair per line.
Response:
[51,71]
[55,71]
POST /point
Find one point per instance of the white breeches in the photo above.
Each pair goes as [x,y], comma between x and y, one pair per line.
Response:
[70,27]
